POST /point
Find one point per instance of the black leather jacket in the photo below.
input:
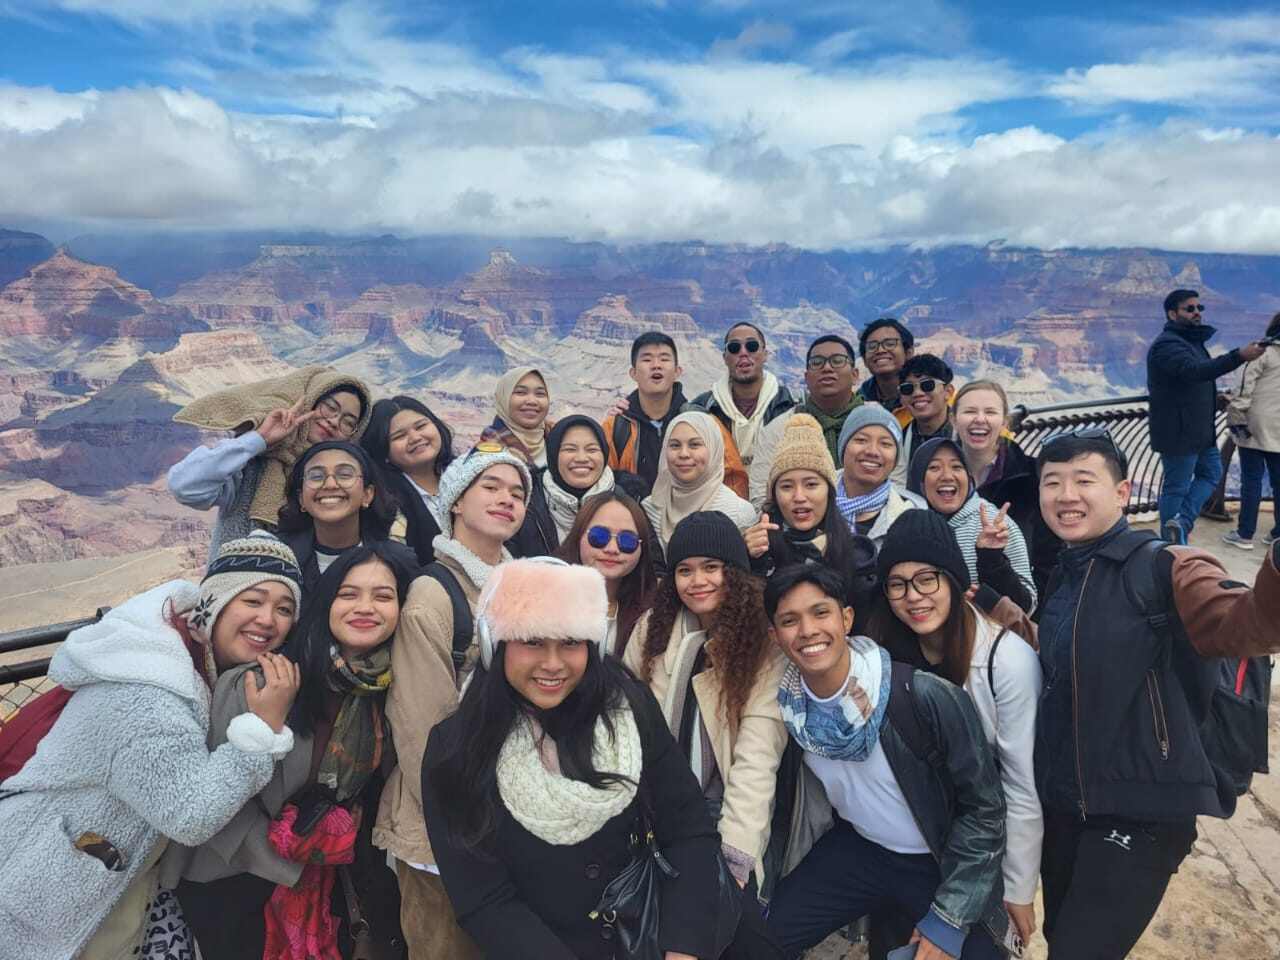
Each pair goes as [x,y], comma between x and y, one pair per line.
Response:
[959,810]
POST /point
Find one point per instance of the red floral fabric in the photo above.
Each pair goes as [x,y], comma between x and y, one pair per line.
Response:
[299,923]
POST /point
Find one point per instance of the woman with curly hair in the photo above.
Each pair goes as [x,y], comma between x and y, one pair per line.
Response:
[704,650]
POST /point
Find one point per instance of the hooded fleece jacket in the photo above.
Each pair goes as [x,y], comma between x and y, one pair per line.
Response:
[126,759]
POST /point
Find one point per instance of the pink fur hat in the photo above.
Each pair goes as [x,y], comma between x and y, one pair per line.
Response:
[541,598]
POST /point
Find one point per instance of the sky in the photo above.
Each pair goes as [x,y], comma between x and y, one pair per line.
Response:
[820,124]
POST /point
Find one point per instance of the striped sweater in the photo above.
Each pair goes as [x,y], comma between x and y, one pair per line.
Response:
[967,524]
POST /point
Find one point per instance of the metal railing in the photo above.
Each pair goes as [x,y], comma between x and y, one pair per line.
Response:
[19,682]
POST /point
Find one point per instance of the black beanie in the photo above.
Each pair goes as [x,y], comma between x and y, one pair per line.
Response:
[922,536]
[707,533]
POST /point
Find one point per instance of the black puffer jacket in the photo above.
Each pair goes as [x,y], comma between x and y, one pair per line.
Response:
[1180,380]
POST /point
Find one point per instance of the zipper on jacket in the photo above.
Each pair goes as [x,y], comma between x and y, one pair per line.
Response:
[1075,693]
[1157,714]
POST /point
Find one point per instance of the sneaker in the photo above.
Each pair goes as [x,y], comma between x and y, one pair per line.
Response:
[1173,532]
[1269,539]
[1233,537]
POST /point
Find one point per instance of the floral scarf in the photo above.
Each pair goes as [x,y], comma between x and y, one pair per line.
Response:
[846,727]
[356,744]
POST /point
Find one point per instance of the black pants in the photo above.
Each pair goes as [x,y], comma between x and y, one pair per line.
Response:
[1103,880]
[225,916]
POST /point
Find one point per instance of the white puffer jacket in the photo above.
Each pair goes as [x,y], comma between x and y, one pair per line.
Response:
[126,759]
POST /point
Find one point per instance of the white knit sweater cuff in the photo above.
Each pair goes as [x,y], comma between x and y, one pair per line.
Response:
[249,733]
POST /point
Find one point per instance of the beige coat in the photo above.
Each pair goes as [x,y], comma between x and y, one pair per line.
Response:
[748,762]
[423,693]
[1258,403]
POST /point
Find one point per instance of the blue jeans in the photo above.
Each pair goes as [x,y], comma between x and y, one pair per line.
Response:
[846,876]
[1189,482]
[1252,463]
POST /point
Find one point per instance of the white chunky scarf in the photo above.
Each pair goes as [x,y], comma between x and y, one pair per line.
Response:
[556,809]
[473,566]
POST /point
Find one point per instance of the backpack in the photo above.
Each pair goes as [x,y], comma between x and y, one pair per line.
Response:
[22,733]
[904,714]
[1229,696]
[463,622]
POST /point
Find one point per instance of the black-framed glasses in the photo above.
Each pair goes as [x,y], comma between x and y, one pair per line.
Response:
[837,361]
[599,538]
[925,582]
[908,387]
[735,346]
[888,343]
[331,410]
[1192,307]
[344,475]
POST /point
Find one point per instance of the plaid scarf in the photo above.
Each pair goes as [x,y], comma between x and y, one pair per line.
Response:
[846,727]
[850,507]
[356,743]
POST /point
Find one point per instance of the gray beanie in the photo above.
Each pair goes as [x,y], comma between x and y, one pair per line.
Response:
[460,474]
[867,415]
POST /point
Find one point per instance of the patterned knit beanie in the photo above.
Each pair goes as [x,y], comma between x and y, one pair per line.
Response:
[922,536]
[541,598]
[866,415]
[802,447]
[242,564]
[463,472]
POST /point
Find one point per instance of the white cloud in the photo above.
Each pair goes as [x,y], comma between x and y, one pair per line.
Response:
[170,12]
[758,35]
[1177,77]
[36,109]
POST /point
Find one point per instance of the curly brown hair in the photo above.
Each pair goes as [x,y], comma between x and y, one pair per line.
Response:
[738,640]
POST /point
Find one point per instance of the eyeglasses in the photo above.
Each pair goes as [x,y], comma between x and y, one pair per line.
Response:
[344,475]
[1192,308]
[925,582]
[926,385]
[1089,433]
[599,538]
[331,410]
[889,343]
[735,346]
[837,361]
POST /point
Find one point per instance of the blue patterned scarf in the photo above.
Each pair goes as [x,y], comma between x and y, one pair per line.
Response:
[850,507]
[846,728]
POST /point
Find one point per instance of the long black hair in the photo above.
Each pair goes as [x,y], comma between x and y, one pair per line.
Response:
[377,436]
[311,639]
[841,554]
[959,631]
[375,519]
[464,776]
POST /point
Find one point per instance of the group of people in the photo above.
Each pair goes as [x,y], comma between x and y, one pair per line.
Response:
[795,662]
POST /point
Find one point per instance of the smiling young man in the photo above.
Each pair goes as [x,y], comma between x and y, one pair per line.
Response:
[926,392]
[1125,631]
[830,382]
[482,504]
[919,834]
[870,445]
[635,433]
[886,345]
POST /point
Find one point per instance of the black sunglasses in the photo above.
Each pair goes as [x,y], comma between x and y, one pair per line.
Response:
[735,346]
[599,538]
[926,385]
[1196,308]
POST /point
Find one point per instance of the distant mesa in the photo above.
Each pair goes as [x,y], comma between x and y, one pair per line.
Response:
[19,252]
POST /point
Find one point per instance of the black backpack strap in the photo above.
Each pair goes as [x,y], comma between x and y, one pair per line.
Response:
[904,713]
[621,434]
[1148,585]
[463,623]
[991,661]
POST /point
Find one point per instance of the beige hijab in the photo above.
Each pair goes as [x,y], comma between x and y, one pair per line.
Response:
[243,408]
[535,440]
[672,500]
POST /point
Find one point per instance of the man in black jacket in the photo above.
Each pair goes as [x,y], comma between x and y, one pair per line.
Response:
[919,823]
[1121,768]
[1180,381]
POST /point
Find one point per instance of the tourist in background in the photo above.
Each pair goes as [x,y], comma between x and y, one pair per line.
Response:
[612,535]
[125,769]
[870,444]
[1254,417]
[534,788]
[274,421]
[412,447]
[885,344]
[482,504]
[704,651]
[1183,405]
[1003,471]
[926,393]
[926,621]
[336,501]
[991,543]
[263,885]
[691,478]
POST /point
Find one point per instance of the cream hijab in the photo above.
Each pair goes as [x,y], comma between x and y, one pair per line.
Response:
[535,440]
[672,499]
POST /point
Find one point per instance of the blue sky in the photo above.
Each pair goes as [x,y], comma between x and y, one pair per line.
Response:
[824,124]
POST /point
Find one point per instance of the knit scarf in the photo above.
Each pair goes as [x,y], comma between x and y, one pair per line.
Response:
[477,570]
[564,503]
[848,727]
[874,501]
[745,429]
[356,743]
[554,808]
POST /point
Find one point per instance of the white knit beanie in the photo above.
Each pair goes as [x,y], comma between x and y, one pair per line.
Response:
[541,598]
[460,474]
[242,564]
